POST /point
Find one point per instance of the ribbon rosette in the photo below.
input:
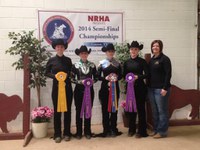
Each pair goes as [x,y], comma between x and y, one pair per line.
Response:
[86,105]
[62,99]
[130,95]
[112,99]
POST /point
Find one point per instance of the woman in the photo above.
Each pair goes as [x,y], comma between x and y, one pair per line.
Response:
[55,65]
[159,88]
[139,68]
[107,69]
[82,70]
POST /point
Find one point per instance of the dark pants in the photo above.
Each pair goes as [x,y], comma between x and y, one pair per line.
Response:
[140,94]
[78,97]
[57,115]
[109,119]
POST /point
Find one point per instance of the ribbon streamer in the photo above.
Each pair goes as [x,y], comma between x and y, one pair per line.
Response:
[86,104]
[112,99]
[130,95]
[62,99]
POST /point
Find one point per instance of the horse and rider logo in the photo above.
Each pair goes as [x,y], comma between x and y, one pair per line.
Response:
[58,27]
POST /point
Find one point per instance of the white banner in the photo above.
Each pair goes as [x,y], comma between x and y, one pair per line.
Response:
[93,29]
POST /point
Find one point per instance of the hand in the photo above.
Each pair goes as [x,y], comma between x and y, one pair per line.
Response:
[83,81]
[135,77]
[163,92]
[107,78]
[115,79]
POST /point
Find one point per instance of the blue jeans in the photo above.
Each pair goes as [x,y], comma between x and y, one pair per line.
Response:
[159,106]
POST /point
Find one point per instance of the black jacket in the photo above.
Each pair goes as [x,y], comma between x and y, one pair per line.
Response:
[137,66]
[160,72]
[81,71]
[105,68]
[57,64]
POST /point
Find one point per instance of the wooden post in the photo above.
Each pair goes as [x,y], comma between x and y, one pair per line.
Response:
[198,48]
[147,57]
[26,98]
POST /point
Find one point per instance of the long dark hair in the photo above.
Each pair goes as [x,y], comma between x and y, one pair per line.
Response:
[160,43]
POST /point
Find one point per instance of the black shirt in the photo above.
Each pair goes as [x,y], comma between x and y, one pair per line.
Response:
[109,66]
[137,66]
[57,64]
[160,72]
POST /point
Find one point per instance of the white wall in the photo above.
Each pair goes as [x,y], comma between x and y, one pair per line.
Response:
[173,21]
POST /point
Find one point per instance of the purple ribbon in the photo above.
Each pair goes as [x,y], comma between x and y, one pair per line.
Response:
[130,94]
[86,104]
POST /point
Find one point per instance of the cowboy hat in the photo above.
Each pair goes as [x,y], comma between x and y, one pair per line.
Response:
[135,44]
[108,47]
[83,48]
[59,42]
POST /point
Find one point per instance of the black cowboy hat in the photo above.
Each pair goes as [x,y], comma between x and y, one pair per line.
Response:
[135,44]
[83,48]
[59,42]
[108,47]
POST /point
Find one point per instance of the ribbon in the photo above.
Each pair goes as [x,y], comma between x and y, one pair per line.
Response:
[112,99]
[130,95]
[62,99]
[86,104]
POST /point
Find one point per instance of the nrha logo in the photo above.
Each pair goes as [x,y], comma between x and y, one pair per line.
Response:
[99,18]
